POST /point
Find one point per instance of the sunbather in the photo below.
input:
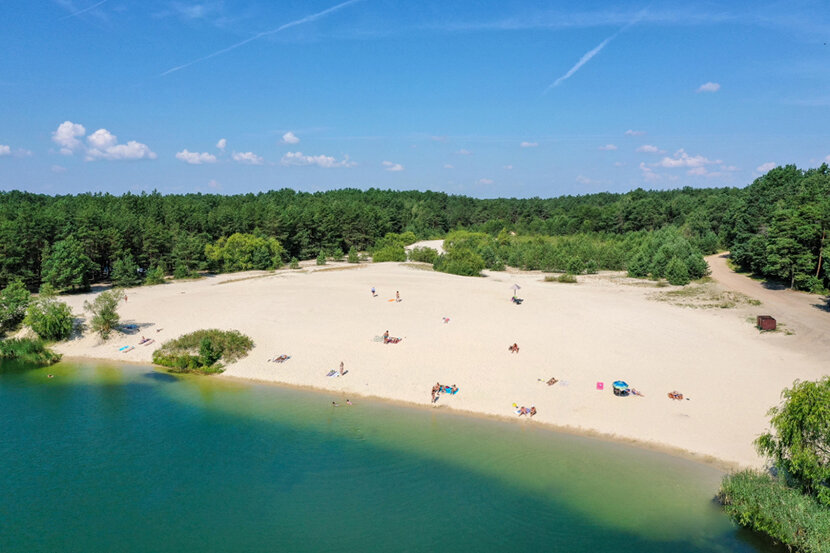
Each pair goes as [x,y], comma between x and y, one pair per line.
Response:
[675,395]
[523,411]
[552,381]
[514,348]
[532,411]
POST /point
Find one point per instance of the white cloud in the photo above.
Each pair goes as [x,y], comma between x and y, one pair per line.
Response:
[698,171]
[529,144]
[448,166]
[608,147]
[682,159]
[463,152]
[66,136]
[765,167]
[248,158]
[827,159]
[327,162]
[222,143]
[214,185]
[392,166]
[650,149]
[582,179]
[195,158]
[709,87]
[631,132]
[102,139]
[58,169]
[102,144]
[486,181]
[648,173]
[729,168]
[438,138]
[5,150]
[290,138]
[508,167]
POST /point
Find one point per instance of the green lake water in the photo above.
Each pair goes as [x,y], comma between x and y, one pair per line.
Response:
[104,458]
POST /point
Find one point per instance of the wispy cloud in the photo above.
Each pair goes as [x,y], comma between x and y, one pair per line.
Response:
[768,166]
[327,162]
[591,53]
[709,87]
[301,21]
[529,144]
[632,132]
[394,167]
[79,12]
[608,148]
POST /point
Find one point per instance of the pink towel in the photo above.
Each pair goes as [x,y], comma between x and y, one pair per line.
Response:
[600,385]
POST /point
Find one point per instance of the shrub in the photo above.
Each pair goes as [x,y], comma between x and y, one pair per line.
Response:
[104,311]
[564,277]
[200,351]
[49,318]
[767,505]
[28,351]
[575,266]
[294,264]
[155,276]
[321,258]
[125,272]
[460,261]
[353,255]
[337,255]
[14,299]
[591,267]
[395,252]
[424,255]
[677,273]
[244,252]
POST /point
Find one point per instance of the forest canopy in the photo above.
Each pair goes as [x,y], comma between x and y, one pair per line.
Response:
[776,227]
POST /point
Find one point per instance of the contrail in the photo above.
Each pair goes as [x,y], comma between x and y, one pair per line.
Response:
[257,36]
[83,10]
[587,57]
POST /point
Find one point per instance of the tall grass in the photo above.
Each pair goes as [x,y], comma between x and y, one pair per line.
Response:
[28,351]
[762,503]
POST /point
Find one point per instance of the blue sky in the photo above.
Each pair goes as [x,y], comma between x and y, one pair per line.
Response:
[488,98]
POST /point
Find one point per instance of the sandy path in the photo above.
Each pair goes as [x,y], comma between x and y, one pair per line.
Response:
[804,314]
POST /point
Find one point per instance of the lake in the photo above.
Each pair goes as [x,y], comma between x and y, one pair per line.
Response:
[105,458]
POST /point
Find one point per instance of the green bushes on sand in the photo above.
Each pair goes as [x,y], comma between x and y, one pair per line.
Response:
[424,255]
[201,351]
[49,318]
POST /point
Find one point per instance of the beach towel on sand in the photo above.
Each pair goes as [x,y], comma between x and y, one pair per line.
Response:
[600,385]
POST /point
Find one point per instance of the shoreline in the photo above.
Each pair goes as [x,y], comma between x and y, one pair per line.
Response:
[607,327]
[723,465]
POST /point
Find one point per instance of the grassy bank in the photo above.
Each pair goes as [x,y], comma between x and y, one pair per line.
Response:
[28,351]
[201,351]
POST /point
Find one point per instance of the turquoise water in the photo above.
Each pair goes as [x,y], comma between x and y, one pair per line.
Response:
[105,458]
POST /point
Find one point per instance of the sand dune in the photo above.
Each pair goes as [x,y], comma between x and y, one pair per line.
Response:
[603,329]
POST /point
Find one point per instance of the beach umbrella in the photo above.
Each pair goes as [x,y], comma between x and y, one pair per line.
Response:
[516,287]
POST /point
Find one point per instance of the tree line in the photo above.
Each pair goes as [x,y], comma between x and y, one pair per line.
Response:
[776,227]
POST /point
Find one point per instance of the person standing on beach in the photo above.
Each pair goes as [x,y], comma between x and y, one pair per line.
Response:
[373,292]
[341,368]
[397,296]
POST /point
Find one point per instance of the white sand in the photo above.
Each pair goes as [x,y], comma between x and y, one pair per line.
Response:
[603,329]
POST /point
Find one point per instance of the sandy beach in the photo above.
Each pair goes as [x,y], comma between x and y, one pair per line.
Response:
[605,328]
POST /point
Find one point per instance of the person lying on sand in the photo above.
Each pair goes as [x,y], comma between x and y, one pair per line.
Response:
[636,392]
[514,348]
[675,395]
[532,411]
[280,358]
[523,411]
[552,381]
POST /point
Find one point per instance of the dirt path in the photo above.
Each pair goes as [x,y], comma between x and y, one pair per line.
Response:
[806,315]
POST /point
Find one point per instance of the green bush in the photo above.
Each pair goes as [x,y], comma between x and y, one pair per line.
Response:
[395,252]
[104,311]
[321,258]
[591,267]
[294,264]
[677,273]
[337,255]
[155,276]
[200,351]
[125,272]
[424,255]
[28,351]
[49,318]
[353,255]
[765,504]
[14,299]
[244,252]
[460,261]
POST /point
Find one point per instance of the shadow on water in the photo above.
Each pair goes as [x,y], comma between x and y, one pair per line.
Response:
[146,463]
